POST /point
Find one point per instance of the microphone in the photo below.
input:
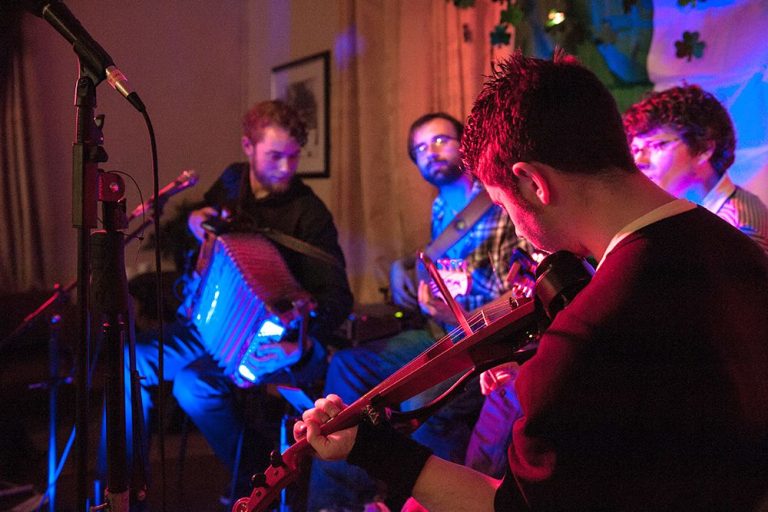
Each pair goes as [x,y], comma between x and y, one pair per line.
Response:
[94,58]
[187,178]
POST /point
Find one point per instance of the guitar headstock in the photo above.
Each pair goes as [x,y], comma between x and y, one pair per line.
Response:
[455,276]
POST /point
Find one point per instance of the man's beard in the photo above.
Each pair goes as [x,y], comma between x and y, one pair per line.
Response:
[274,186]
[443,173]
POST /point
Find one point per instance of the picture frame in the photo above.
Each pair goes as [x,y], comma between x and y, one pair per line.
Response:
[304,84]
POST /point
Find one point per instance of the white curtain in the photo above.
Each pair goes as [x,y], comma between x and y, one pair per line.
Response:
[394,62]
[21,253]
[734,67]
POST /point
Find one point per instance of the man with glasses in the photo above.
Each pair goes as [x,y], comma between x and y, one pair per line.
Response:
[649,390]
[682,138]
[485,252]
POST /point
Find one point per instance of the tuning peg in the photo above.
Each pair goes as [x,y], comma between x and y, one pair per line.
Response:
[276,459]
[259,480]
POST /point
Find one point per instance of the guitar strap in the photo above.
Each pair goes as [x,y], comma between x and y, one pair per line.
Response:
[460,225]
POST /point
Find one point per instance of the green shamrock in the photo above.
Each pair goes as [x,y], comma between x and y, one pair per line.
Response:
[512,15]
[500,36]
[690,46]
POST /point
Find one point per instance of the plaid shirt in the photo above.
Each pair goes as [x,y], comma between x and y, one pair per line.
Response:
[487,250]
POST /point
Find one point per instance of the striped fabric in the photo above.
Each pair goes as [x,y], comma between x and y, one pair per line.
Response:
[740,208]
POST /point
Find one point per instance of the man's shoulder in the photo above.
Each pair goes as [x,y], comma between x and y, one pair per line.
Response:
[303,195]
[684,244]
[750,202]
[235,170]
[232,175]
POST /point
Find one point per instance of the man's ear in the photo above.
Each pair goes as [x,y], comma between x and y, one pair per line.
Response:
[533,183]
[247,145]
[705,155]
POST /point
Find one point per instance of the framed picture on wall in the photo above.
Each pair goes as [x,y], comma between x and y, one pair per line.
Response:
[304,84]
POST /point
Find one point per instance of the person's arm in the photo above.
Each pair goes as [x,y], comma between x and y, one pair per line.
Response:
[200,216]
[437,484]
[444,486]
[401,284]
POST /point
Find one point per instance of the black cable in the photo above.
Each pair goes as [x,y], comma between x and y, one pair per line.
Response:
[160,302]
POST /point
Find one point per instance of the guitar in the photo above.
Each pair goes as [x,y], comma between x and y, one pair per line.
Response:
[504,331]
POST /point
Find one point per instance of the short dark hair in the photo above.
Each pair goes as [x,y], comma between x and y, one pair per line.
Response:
[457,125]
[694,114]
[555,112]
[273,113]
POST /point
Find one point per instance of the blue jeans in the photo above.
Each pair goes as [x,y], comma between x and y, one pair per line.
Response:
[205,394]
[352,372]
[487,450]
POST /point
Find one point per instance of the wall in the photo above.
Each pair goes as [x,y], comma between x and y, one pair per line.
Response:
[282,31]
[198,65]
[184,58]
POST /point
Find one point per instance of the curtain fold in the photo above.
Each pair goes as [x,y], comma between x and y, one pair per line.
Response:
[21,251]
[393,62]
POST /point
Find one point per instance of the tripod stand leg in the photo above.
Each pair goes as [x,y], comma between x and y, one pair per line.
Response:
[53,362]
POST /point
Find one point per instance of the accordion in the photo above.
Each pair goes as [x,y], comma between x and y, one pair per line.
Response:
[245,303]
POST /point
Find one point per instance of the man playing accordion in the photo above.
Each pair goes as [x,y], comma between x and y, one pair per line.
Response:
[262,195]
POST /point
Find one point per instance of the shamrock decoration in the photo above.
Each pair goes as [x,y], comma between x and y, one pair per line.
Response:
[466,32]
[690,46]
[500,36]
[512,15]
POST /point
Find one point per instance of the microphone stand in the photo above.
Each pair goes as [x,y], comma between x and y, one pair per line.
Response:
[87,153]
[91,185]
[110,291]
[186,179]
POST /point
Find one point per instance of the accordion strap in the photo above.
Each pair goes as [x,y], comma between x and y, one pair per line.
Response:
[300,246]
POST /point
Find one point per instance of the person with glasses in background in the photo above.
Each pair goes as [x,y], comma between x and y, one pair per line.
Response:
[649,390]
[682,138]
[485,252]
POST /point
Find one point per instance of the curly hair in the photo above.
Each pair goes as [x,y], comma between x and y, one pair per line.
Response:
[273,113]
[555,112]
[697,117]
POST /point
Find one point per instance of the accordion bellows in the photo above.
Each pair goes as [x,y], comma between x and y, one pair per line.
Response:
[245,301]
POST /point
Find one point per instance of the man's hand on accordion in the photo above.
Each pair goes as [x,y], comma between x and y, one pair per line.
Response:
[274,356]
[198,217]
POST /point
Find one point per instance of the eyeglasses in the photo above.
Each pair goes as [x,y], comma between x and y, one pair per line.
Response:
[437,141]
[654,146]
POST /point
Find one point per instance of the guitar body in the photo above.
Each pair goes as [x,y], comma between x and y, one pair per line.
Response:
[504,331]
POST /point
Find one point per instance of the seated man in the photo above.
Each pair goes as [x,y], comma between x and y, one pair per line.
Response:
[263,192]
[485,248]
[649,390]
[682,138]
